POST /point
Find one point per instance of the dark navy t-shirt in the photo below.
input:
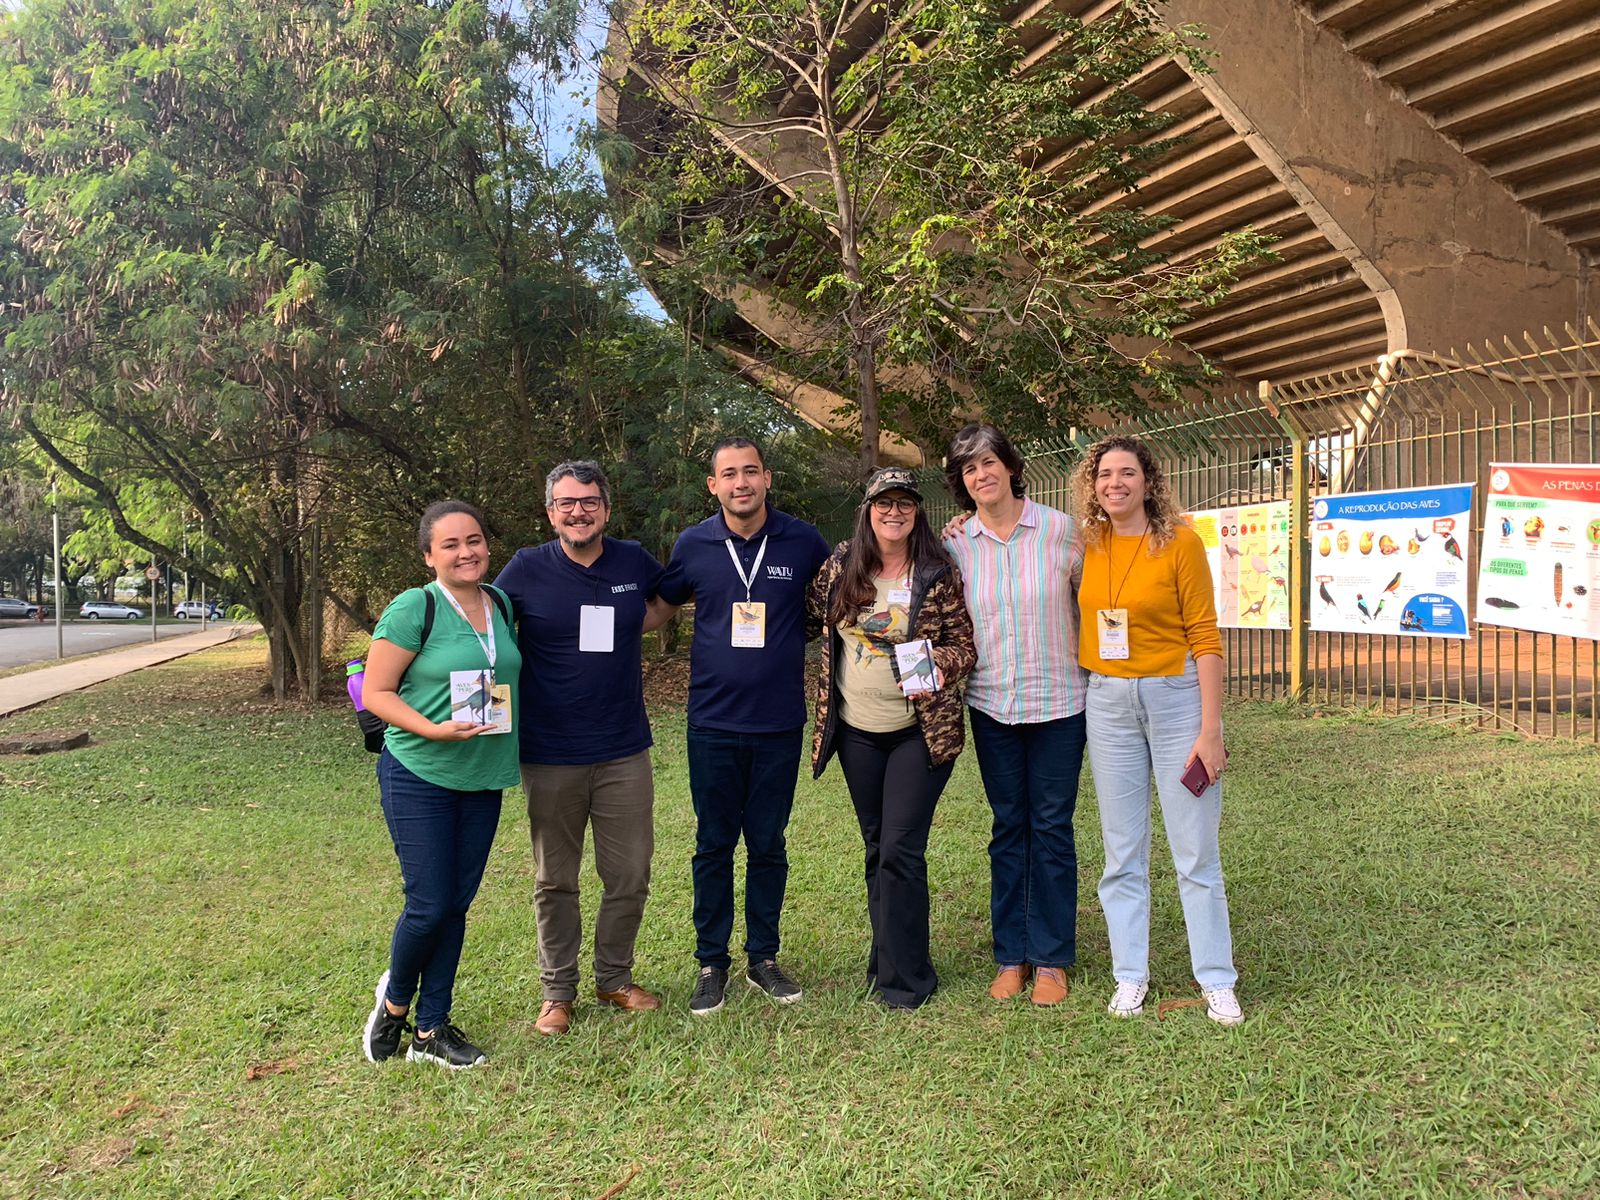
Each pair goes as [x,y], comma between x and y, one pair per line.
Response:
[741,689]
[580,706]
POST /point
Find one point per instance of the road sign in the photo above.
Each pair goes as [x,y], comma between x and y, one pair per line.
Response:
[152,573]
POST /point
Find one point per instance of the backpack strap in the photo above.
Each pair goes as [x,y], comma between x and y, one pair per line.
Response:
[429,604]
[503,603]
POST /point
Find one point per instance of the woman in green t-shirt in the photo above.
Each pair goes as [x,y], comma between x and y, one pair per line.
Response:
[442,672]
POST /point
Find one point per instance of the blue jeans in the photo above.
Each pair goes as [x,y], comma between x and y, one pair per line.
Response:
[741,783]
[1137,726]
[1030,773]
[442,839]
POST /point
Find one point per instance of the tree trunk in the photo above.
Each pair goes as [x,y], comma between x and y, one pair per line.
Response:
[866,389]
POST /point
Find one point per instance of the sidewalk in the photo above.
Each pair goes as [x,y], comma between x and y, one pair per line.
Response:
[35,687]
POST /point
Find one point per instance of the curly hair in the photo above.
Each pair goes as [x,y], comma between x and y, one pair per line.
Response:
[1160,509]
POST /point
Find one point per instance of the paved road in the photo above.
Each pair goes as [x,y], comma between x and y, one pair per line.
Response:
[18,692]
[23,642]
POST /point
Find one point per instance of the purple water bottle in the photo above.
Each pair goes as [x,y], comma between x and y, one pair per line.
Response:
[355,674]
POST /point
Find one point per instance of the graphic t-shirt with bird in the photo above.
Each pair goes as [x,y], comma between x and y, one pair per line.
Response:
[869,693]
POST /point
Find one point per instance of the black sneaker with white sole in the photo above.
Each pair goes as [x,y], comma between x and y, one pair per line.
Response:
[448,1047]
[710,990]
[384,1031]
[770,978]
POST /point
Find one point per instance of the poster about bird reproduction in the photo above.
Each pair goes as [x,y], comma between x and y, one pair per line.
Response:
[1392,562]
[1248,549]
[1539,567]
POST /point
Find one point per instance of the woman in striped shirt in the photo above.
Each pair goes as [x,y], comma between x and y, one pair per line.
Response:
[1026,698]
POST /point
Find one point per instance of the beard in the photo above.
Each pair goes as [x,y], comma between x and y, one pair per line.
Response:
[581,538]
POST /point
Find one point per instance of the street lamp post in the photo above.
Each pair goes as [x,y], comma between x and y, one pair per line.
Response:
[55,542]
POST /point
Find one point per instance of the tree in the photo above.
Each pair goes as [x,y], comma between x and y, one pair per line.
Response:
[245,238]
[943,217]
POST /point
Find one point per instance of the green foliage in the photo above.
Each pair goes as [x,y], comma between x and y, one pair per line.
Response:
[942,224]
[297,269]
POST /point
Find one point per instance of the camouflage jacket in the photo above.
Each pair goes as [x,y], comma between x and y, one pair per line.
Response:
[938,613]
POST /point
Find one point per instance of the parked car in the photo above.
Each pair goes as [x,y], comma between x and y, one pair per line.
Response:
[196,608]
[96,610]
[12,608]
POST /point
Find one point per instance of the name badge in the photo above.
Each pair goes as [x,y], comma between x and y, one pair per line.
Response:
[1112,624]
[499,713]
[597,628]
[749,624]
[899,597]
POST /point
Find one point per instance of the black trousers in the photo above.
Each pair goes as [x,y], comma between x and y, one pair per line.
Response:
[894,787]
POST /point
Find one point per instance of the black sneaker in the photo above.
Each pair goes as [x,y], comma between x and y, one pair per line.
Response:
[448,1047]
[709,992]
[384,1030]
[770,978]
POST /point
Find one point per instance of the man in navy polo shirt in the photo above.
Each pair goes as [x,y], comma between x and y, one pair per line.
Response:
[580,604]
[748,568]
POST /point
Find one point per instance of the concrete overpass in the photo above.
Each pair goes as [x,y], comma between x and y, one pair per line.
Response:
[1430,168]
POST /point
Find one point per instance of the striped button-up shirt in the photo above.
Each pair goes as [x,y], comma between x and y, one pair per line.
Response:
[1025,612]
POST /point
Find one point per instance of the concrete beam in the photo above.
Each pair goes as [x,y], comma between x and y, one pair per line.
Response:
[1447,248]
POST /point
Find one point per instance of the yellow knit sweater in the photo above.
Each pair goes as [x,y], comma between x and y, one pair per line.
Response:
[1171,612]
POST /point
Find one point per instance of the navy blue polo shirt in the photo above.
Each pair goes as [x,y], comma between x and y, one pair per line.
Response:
[578,706]
[740,689]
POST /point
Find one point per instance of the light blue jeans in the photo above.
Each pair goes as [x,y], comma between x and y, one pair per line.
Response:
[1136,726]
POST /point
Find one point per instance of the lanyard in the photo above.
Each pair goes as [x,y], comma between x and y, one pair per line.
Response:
[755,568]
[488,623]
[1111,566]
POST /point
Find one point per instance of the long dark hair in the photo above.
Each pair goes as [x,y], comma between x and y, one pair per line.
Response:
[863,560]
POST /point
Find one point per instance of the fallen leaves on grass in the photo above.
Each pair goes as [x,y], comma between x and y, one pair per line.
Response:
[277,1067]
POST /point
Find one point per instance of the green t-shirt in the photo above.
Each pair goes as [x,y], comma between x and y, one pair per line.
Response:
[483,763]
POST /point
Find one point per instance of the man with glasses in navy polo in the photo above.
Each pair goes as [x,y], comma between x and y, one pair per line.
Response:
[747,567]
[581,601]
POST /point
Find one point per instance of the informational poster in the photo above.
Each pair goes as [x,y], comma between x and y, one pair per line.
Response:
[1391,562]
[1539,568]
[1248,548]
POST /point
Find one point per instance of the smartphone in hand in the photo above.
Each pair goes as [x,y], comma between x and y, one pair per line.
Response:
[1196,779]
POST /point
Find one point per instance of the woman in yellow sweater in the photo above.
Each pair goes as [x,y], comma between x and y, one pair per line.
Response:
[1150,644]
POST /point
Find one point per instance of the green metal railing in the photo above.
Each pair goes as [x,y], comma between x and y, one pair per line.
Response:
[1414,420]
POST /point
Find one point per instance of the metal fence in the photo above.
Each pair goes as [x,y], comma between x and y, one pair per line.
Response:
[1414,420]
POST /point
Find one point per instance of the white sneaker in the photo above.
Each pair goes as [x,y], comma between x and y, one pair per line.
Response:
[1128,999]
[1222,1006]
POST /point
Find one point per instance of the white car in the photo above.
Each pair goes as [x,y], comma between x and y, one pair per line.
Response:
[197,609]
[96,610]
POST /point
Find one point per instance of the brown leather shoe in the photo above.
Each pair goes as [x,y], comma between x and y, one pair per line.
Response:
[1050,986]
[1010,982]
[555,1017]
[630,998]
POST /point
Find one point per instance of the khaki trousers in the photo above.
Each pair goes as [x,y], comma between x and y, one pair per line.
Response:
[617,799]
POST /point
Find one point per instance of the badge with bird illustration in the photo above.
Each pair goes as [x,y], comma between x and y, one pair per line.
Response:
[749,624]
[1112,624]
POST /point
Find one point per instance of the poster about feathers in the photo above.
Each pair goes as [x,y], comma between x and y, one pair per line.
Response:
[1392,562]
[1539,567]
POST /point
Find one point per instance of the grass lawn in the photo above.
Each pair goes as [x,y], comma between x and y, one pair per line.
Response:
[194,909]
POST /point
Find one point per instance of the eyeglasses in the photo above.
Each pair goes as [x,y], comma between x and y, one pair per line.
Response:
[888,504]
[566,504]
